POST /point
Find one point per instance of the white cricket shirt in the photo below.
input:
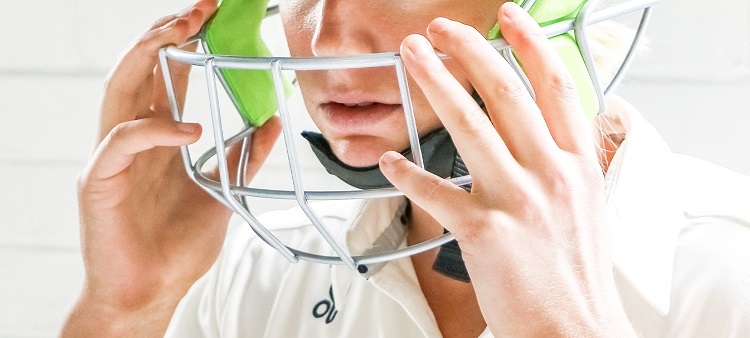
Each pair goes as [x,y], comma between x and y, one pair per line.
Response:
[680,239]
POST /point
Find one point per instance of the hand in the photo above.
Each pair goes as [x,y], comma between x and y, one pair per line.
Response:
[148,232]
[532,229]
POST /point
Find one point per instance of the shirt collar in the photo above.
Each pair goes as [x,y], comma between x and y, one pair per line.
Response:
[372,221]
[377,227]
[643,210]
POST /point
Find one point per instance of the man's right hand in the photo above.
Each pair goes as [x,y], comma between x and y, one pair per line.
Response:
[147,231]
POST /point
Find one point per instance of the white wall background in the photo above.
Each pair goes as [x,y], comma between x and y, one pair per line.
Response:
[693,85]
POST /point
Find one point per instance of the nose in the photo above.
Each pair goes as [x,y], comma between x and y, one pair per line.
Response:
[344,27]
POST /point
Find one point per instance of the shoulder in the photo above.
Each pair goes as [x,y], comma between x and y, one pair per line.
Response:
[709,189]
[710,270]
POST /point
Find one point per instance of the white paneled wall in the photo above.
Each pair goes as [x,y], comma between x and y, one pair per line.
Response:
[55,54]
[692,84]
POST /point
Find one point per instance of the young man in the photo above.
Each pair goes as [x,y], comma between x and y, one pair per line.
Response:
[534,231]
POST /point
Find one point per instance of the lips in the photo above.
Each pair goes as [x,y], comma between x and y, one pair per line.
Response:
[360,118]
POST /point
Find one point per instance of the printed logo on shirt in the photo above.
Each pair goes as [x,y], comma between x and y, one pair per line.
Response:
[326,308]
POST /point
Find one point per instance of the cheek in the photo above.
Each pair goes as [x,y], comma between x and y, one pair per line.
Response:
[298,20]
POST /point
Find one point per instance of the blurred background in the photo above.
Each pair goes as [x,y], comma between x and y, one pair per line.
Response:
[692,84]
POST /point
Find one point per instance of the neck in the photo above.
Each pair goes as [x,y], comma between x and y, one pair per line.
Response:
[422,226]
[453,303]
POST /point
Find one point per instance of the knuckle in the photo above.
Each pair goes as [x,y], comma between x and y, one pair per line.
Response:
[119,132]
[558,178]
[162,21]
[473,227]
[180,26]
[527,39]
[559,183]
[562,84]
[473,120]
[150,41]
[435,187]
[156,38]
[568,181]
[467,35]
[481,227]
[82,182]
[432,71]
[145,42]
[524,201]
[511,89]
[475,124]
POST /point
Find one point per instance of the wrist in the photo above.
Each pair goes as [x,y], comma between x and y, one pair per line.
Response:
[606,320]
[92,316]
[615,326]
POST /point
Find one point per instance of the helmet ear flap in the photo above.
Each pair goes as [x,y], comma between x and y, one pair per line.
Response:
[546,12]
[235,30]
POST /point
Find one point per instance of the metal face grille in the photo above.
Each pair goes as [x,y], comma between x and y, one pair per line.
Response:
[233,194]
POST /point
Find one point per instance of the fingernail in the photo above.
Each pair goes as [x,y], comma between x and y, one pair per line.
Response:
[187,12]
[187,128]
[512,10]
[439,25]
[390,157]
[418,45]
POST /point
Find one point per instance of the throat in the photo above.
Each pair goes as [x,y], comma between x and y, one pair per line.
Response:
[453,303]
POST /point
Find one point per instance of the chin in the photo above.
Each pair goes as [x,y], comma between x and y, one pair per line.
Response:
[362,151]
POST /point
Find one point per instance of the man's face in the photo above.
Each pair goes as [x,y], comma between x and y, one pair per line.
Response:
[359,110]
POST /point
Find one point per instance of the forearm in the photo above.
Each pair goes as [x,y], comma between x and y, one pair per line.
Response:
[89,318]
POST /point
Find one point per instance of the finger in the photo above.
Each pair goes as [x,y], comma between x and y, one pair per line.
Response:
[124,90]
[206,6]
[434,194]
[165,20]
[118,149]
[180,73]
[263,140]
[471,130]
[513,112]
[555,90]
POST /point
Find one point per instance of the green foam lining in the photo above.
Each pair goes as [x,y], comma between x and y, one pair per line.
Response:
[547,12]
[235,30]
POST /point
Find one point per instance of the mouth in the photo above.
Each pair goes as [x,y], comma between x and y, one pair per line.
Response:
[360,117]
[360,104]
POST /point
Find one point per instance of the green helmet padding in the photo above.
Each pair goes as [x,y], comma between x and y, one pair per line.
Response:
[235,30]
[547,12]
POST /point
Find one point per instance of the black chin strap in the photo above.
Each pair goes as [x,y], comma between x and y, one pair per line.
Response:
[438,153]
[449,261]
[440,158]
